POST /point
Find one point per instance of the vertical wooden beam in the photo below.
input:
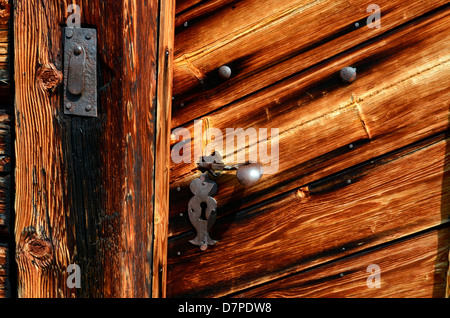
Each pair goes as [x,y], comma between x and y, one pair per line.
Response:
[85,187]
[140,35]
[447,290]
[162,162]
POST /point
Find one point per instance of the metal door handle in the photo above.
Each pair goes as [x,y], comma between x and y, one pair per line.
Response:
[202,208]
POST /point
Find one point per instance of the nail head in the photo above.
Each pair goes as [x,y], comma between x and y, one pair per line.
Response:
[224,72]
[348,74]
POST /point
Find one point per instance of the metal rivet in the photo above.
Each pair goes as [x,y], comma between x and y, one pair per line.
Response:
[78,50]
[350,146]
[356,25]
[348,74]
[185,24]
[182,105]
[69,33]
[69,105]
[349,181]
[178,189]
[88,108]
[224,72]
[88,36]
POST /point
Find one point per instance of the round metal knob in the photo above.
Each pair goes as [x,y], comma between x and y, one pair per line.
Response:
[248,175]
[224,72]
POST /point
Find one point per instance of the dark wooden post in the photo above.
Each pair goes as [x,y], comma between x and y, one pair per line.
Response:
[90,191]
[5,148]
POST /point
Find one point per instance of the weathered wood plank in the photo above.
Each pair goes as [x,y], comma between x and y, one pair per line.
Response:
[385,199]
[391,118]
[5,15]
[272,43]
[162,145]
[447,291]
[85,186]
[4,272]
[413,268]
[186,5]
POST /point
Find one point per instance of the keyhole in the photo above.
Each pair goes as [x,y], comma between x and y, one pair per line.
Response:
[203,205]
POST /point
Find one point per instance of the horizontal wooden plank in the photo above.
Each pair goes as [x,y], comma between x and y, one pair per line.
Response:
[385,199]
[4,272]
[302,107]
[184,5]
[413,268]
[272,43]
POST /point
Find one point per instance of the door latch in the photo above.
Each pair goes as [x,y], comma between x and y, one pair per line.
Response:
[202,207]
[80,71]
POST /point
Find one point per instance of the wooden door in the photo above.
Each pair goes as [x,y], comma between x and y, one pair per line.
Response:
[362,182]
[91,192]
[356,203]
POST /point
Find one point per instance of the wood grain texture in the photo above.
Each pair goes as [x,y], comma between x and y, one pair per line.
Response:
[85,186]
[390,117]
[162,145]
[267,42]
[4,272]
[385,199]
[5,15]
[412,268]
[5,56]
[447,290]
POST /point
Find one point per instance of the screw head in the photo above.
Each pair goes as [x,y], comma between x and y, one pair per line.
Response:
[88,36]
[224,72]
[69,33]
[88,108]
[348,74]
[78,50]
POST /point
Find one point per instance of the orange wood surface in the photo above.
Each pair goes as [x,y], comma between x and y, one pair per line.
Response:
[363,166]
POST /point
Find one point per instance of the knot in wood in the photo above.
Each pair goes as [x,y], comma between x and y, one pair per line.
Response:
[49,77]
[5,11]
[37,250]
